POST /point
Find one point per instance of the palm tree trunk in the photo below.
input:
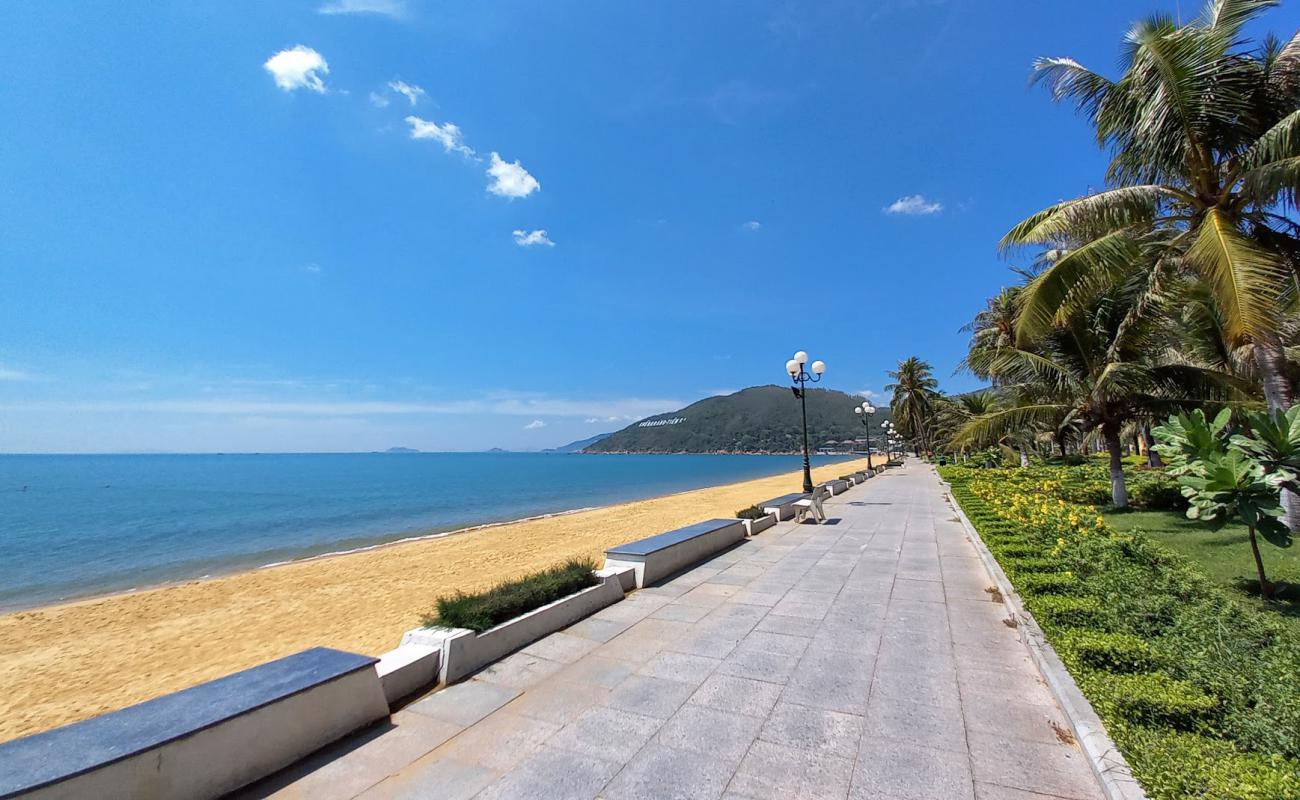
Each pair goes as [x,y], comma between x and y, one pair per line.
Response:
[1118,489]
[1270,360]
[1265,588]
[1024,457]
[1153,458]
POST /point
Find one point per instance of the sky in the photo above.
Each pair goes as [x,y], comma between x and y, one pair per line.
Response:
[345,225]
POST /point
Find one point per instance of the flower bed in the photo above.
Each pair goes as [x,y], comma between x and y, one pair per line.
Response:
[1200,691]
[483,610]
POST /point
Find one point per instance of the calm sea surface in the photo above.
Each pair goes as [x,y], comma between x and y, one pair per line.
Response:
[72,526]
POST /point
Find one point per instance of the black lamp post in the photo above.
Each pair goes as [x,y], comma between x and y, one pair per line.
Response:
[864,413]
[801,378]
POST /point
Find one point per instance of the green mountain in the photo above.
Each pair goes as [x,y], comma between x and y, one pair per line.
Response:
[578,446]
[761,419]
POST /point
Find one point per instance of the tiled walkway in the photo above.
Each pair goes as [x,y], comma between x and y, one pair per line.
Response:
[857,659]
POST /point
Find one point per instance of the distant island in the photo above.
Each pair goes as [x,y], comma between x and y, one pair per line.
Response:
[580,445]
[401,450]
[760,419]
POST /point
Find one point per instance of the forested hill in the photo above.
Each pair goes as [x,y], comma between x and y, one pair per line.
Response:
[761,419]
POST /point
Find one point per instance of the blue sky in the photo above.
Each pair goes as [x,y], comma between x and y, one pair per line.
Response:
[352,224]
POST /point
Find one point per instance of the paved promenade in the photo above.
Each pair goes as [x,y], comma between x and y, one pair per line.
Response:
[857,659]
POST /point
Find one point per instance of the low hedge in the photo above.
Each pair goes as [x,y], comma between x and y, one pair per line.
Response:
[1200,691]
[480,611]
[753,512]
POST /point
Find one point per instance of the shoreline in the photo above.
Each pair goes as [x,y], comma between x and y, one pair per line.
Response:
[150,642]
[377,542]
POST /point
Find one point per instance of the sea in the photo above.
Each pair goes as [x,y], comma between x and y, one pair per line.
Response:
[74,526]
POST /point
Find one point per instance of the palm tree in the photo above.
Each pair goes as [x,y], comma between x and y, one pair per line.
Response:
[915,392]
[1099,370]
[1204,137]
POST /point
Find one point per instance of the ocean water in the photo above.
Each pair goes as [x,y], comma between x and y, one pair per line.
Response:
[73,526]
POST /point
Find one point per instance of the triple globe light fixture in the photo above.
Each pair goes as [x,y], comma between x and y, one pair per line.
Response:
[800,377]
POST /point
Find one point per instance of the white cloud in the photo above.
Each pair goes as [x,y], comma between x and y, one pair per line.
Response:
[410,91]
[870,394]
[752,225]
[387,8]
[378,100]
[510,179]
[312,269]
[534,425]
[532,238]
[914,205]
[447,134]
[297,68]
[592,420]
[7,374]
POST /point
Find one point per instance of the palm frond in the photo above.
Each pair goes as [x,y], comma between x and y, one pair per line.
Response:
[1073,280]
[1093,216]
[990,428]
[1247,279]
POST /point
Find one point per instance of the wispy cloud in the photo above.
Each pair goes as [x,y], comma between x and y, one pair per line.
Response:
[752,225]
[386,8]
[534,425]
[378,100]
[299,67]
[592,420]
[7,374]
[914,205]
[532,238]
[312,269]
[447,134]
[510,179]
[410,91]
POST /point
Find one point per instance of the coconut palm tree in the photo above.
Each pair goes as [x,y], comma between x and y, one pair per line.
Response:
[1204,138]
[915,393]
[1100,370]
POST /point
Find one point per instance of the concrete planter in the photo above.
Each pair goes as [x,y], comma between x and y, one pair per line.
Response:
[464,652]
[407,670]
[754,526]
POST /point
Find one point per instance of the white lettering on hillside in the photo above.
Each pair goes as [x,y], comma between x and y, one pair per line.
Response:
[655,423]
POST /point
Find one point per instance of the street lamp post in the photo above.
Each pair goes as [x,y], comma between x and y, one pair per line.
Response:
[795,368]
[864,413]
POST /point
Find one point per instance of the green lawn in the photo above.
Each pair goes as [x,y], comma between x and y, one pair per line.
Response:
[1224,554]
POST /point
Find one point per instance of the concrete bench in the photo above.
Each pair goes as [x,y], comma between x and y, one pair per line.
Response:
[782,507]
[836,487]
[657,557]
[205,741]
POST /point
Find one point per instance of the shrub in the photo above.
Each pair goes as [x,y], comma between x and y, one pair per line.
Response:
[1149,698]
[753,512]
[1066,612]
[1047,583]
[1156,492]
[1016,549]
[1178,765]
[1117,652]
[483,610]
[1025,566]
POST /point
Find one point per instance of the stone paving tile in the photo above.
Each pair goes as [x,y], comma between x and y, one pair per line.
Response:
[499,742]
[465,703]
[931,689]
[890,769]
[813,729]
[558,701]
[681,667]
[650,697]
[991,791]
[598,630]
[834,680]
[899,720]
[519,671]
[739,695]
[778,772]
[596,671]
[443,779]
[1001,716]
[561,647]
[659,772]
[555,775]
[790,626]
[1054,769]
[725,735]
[607,733]
[759,665]
[681,612]
[780,643]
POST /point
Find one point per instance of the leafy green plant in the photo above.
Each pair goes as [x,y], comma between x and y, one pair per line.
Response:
[1064,611]
[1117,652]
[1236,477]
[483,610]
[752,512]
[1150,698]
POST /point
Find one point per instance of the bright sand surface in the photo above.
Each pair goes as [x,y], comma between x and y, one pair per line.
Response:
[67,662]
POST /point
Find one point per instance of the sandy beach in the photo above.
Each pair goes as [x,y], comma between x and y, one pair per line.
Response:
[64,663]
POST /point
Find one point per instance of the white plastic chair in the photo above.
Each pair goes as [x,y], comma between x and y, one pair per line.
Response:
[812,504]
